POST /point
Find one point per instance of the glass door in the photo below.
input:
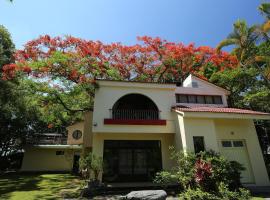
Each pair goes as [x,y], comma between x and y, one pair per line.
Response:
[131,160]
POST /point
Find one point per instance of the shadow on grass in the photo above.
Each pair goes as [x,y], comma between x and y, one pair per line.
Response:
[36,186]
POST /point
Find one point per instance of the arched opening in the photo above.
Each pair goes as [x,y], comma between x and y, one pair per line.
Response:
[135,106]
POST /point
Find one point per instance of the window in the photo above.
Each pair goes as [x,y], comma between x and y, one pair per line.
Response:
[217,100]
[182,99]
[209,100]
[77,134]
[59,153]
[191,99]
[198,99]
[198,144]
[195,85]
[226,144]
[238,143]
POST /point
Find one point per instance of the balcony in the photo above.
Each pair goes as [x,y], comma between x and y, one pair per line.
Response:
[134,109]
[134,117]
[47,139]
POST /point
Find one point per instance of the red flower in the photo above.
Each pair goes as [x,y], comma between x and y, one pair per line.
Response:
[27,69]
[202,171]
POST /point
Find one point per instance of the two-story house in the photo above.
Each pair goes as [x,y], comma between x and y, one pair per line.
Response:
[134,124]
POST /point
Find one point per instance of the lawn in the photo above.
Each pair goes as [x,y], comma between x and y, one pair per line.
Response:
[42,186]
[38,186]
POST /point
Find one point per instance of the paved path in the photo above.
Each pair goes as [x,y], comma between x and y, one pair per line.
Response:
[117,197]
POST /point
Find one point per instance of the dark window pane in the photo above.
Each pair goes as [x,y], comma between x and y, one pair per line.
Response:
[238,143]
[182,98]
[191,99]
[209,99]
[198,144]
[59,153]
[217,100]
[200,100]
[195,85]
[226,143]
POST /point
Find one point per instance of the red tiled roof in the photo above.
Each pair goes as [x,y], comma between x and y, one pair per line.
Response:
[218,110]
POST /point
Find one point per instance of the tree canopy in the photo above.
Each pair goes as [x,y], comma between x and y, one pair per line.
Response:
[65,69]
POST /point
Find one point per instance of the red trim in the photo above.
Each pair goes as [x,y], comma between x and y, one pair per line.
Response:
[135,122]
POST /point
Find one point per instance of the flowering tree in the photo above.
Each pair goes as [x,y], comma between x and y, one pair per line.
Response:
[82,61]
[67,67]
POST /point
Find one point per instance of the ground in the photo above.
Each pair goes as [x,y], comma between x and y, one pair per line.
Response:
[37,186]
[44,186]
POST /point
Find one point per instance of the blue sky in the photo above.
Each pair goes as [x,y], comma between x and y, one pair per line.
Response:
[204,22]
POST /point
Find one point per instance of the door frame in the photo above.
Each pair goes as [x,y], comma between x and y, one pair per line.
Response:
[246,151]
[156,146]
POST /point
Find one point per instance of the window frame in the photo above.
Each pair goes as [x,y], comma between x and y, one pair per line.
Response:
[187,96]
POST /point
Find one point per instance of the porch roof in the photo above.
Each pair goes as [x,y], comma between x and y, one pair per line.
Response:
[220,112]
[55,146]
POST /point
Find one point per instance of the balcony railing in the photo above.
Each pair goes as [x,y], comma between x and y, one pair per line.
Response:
[133,114]
[47,139]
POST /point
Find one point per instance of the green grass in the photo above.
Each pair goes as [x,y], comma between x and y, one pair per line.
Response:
[38,186]
[42,186]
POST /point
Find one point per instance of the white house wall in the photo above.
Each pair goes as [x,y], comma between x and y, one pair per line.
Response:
[107,95]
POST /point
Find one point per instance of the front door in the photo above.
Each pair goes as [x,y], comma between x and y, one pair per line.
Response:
[131,160]
[75,167]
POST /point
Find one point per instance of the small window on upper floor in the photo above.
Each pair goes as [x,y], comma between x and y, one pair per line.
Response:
[194,84]
[209,100]
[77,134]
[198,99]
[217,100]
[191,99]
[182,98]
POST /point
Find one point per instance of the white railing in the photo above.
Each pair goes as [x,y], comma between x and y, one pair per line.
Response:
[131,114]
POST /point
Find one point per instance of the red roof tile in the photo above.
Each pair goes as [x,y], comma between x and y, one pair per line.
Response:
[218,110]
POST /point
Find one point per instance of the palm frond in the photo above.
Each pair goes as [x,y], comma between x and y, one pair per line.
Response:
[227,42]
[265,9]
[266,26]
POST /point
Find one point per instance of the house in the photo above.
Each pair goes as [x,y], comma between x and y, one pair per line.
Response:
[134,124]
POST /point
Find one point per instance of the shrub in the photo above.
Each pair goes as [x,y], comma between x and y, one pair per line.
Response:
[197,194]
[206,175]
[91,164]
[223,193]
[182,173]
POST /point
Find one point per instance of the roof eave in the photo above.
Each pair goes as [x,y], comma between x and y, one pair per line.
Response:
[194,114]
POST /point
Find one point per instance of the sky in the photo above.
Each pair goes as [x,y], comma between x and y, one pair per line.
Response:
[203,22]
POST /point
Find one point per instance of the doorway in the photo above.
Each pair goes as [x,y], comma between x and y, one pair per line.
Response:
[131,160]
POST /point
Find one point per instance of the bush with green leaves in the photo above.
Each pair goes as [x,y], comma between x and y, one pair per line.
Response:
[206,175]
[223,193]
[91,163]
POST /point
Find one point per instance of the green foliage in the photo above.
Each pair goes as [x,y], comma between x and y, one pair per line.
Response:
[226,194]
[222,180]
[222,170]
[223,193]
[197,194]
[18,117]
[244,39]
[7,47]
[91,163]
